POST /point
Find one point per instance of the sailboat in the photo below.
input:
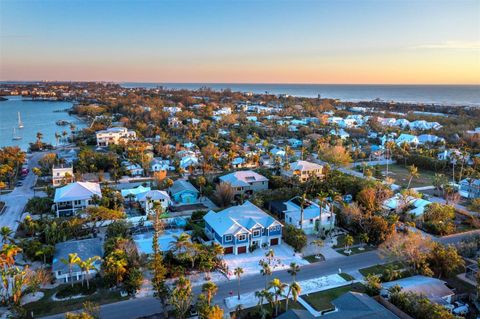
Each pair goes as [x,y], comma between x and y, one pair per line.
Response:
[20,124]
[15,137]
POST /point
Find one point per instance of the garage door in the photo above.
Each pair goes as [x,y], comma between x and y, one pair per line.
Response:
[273,241]
[242,250]
[228,250]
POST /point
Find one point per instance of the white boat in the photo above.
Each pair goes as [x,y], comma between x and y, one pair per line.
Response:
[20,124]
[15,137]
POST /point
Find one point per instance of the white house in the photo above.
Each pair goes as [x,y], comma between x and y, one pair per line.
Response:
[315,218]
[148,199]
[434,289]
[133,169]
[74,197]
[114,135]
[430,139]
[413,205]
[303,170]
[62,175]
[245,182]
[407,139]
[161,165]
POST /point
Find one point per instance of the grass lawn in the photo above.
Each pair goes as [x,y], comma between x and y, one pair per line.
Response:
[346,276]
[322,300]
[400,174]
[253,312]
[46,306]
[378,269]
[341,241]
[355,250]
[312,258]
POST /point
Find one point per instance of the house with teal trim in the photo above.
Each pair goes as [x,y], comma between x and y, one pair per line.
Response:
[239,227]
[183,192]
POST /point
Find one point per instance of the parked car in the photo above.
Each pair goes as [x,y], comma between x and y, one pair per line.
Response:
[18,184]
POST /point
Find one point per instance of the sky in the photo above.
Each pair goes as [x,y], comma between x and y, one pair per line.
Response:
[242,41]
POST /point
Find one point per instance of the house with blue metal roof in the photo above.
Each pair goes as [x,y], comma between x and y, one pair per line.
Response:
[239,227]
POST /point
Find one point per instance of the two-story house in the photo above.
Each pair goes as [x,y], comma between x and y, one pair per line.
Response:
[303,170]
[239,227]
[62,175]
[316,218]
[74,197]
[148,200]
[114,135]
[245,182]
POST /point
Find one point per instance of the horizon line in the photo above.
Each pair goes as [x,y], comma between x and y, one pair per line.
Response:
[248,83]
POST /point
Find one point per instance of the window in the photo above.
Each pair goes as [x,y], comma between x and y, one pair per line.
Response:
[77,202]
[242,237]
[311,221]
[256,233]
[228,238]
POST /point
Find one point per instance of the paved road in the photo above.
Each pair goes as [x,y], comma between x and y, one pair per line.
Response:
[135,308]
[18,198]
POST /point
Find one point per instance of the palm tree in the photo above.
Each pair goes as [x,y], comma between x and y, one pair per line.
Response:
[294,289]
[319,243]
[71,261]
[303,201]
[364,239]
[6,234]
[348,242]
[86,266]
[294,270]
[181,243]
[265,271]
[209,289]
[263,295]
[238,272]
[45,250]
[278,291]
[270,256]
[412,172]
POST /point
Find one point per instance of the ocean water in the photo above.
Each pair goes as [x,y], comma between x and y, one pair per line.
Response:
[455,95]
[37,116]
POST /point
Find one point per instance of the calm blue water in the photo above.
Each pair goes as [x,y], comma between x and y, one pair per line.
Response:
[431,94]
[37,116]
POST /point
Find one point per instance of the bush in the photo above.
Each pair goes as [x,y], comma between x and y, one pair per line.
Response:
[294,237]
[77,289]
[39,205]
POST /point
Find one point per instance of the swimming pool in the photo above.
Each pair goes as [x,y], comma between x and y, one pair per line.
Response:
[144,241]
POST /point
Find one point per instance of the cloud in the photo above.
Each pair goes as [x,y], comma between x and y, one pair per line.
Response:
[451,45]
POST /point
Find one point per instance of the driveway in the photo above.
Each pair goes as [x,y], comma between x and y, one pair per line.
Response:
[284,255]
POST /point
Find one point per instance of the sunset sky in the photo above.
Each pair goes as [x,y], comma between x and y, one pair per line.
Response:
[270,41]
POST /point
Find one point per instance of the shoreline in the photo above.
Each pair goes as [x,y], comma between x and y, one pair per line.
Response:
[283,89]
